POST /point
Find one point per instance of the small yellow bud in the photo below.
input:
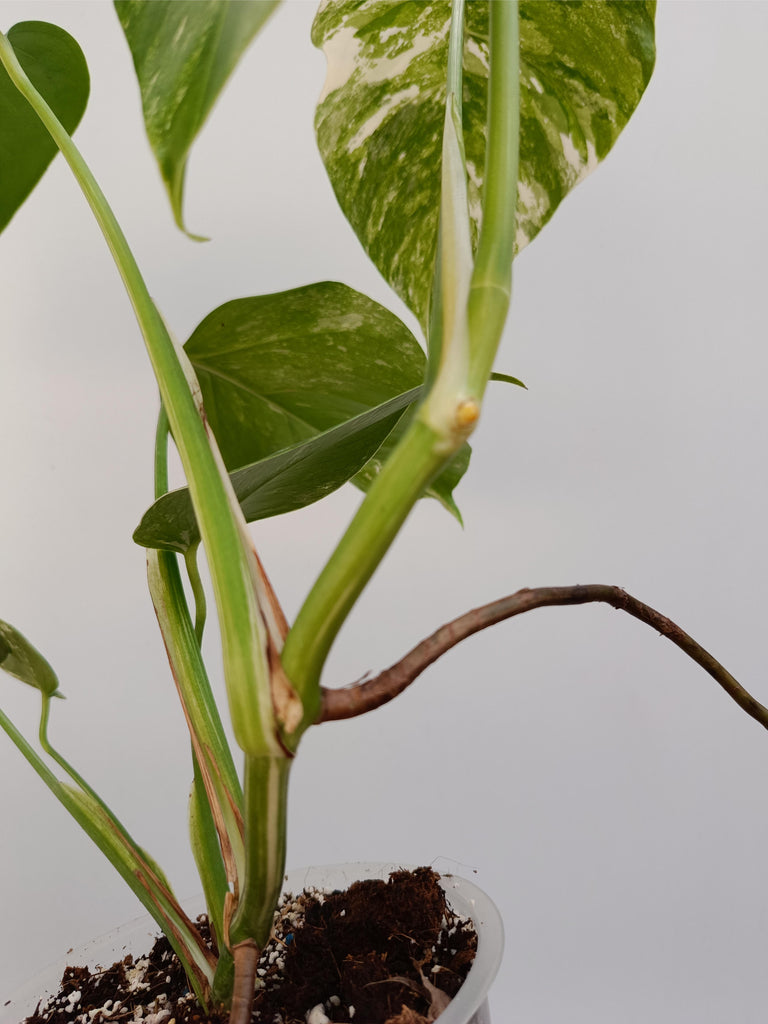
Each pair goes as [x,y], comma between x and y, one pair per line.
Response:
[467,413]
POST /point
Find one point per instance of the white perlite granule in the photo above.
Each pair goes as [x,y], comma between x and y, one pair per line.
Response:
[317,1015]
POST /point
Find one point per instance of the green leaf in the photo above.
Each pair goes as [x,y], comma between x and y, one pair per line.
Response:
[56,67]
[184,51]
[507,379]
[278,369]
[20,659]
[290,479]
[304,390]
[583,67]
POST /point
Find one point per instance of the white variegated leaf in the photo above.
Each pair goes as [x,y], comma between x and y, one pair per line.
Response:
[183,52]
[583,69]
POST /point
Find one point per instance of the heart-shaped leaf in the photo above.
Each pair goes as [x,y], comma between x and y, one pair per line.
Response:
[184,51]
[55,65]
[20,659]
[279,369]
[290,479]
[583,68]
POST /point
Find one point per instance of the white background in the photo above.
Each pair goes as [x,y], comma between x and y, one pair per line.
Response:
[604,791]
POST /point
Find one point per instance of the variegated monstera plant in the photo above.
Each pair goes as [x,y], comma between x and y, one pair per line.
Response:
[450,131]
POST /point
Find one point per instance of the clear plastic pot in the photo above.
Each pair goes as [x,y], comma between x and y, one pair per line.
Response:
[470,1006]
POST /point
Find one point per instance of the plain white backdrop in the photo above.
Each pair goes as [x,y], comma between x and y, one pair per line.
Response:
[601,788]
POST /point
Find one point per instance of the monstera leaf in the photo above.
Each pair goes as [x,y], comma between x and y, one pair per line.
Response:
[183,52]
[55,65]
[379,121]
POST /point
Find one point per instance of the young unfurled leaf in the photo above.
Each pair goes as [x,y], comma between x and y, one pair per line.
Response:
[583,68]
[55,65]
[183,52]
[20,659]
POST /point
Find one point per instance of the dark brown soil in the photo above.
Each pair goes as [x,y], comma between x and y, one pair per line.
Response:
[378,953]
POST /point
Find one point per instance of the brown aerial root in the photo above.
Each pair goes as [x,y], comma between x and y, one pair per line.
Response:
[369,694]
[246,957]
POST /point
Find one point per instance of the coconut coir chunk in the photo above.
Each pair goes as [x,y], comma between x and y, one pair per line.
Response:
[378,953]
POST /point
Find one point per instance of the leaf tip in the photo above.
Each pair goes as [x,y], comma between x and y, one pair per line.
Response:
[450,505]
[178,218]
[507,379]
[174,175]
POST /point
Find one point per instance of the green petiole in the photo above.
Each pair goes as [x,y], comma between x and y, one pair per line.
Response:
[221,527]
[490,288]
[135,866]
[469,312]
[266,793]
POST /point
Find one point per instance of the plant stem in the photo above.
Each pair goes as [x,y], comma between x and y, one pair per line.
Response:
[198,591]
[351,701]
[242,633]
[131,862]
[491,284]
[409,469]
[215,782]
[266,791]
[162,432]
[206,730]
[454,76]
[421,452]
[63,763]
[448,340]
[206,851]
[471,328]
[246,959]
